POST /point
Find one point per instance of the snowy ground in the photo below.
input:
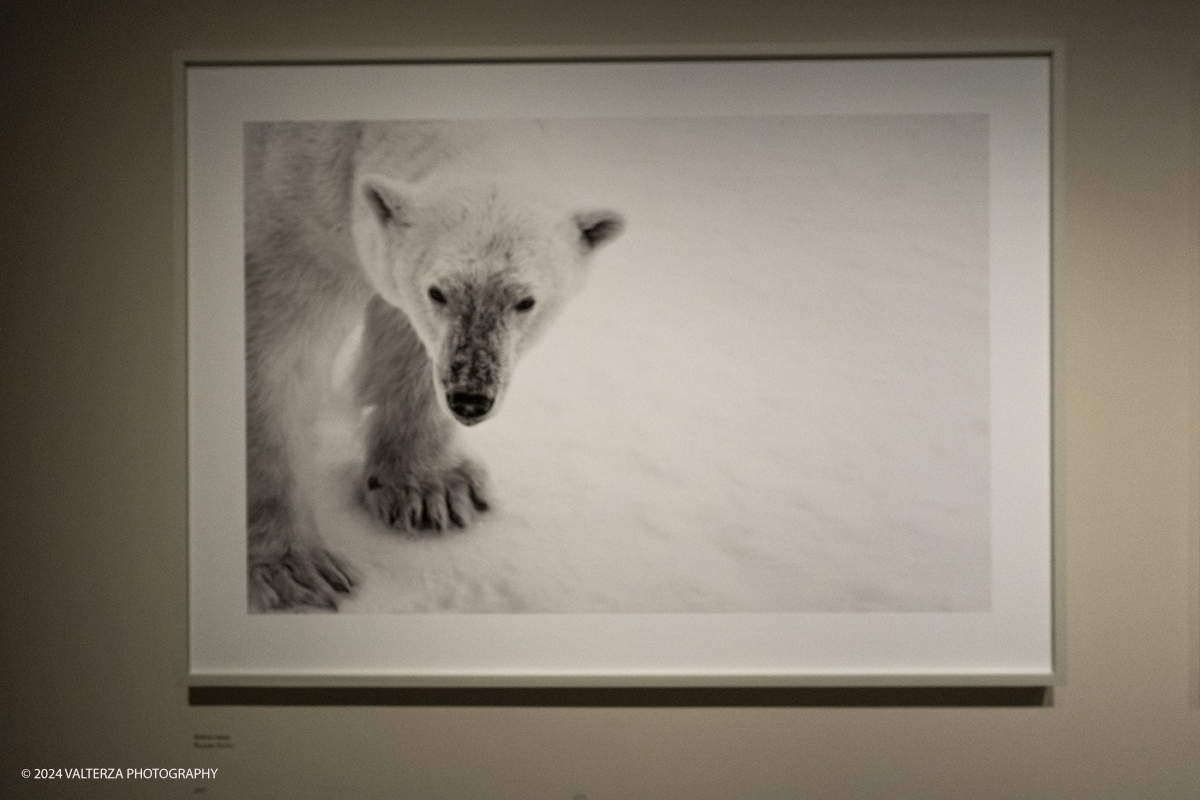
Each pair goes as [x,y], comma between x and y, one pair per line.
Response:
[771,396]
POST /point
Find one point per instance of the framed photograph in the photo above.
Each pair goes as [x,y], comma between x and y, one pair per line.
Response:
[587,368]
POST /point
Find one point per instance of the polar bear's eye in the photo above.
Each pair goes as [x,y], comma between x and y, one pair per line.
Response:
[524,305]
[436,296]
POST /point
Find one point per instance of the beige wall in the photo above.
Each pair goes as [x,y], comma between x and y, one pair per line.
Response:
[92,655]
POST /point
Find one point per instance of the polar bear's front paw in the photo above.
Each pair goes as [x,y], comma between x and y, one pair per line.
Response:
[434,500]
[302,578]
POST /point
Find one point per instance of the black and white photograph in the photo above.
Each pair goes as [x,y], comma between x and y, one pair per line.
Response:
[770,393]
[716,361]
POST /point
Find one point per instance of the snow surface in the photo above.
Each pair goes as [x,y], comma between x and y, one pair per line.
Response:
[772,395]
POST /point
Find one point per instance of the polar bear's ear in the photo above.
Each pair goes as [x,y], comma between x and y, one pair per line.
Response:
[381,214]
[598,227]
[386,200]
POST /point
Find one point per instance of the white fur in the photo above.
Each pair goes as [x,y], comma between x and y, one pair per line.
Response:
[458,273]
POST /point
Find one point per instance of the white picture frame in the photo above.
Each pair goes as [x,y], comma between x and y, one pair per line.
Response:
[1000,627]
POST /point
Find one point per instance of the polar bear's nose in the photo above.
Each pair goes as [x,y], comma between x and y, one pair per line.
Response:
[468,406]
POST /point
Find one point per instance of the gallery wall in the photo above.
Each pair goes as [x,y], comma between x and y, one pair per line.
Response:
[92,422]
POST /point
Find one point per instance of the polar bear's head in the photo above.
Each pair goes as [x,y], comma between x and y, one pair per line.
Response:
[479,271]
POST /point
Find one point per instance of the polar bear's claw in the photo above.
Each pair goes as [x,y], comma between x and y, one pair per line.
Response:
[439,500]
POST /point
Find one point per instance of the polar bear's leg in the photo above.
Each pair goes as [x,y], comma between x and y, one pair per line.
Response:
[289,567]
[414,476]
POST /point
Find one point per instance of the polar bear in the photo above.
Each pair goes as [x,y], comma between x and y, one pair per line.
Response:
[452,261]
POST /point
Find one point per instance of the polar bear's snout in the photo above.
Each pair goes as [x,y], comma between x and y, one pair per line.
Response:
[469,407]
[472,384]
[476,354]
